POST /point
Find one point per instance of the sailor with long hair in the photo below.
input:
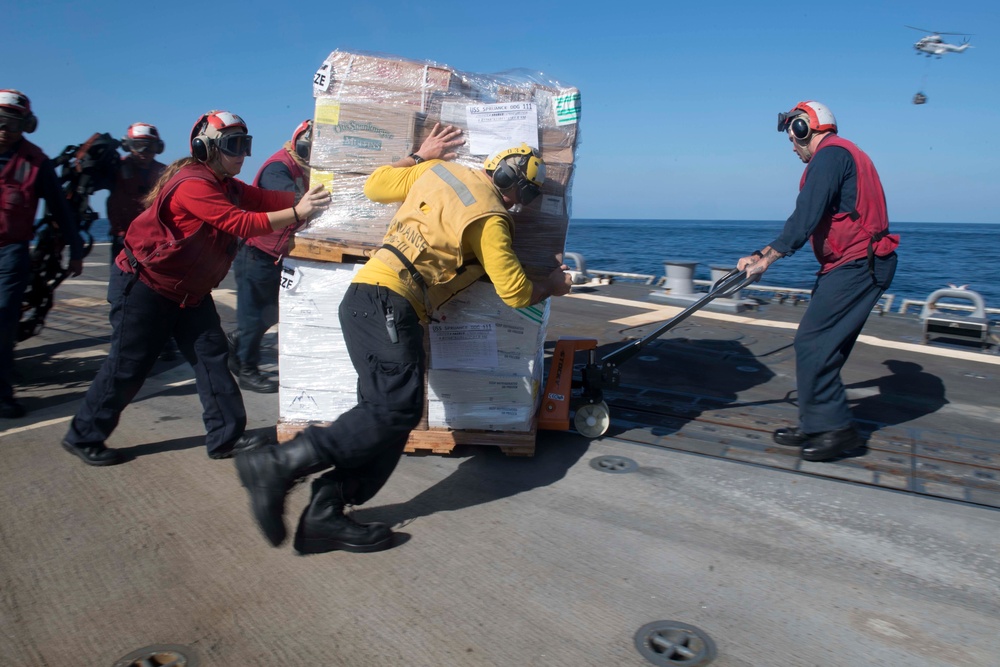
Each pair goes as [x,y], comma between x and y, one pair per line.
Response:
[176,252]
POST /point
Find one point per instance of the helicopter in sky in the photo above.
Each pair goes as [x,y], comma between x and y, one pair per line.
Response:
[934,45]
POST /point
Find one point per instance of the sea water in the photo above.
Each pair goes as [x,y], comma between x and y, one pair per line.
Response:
[932,256]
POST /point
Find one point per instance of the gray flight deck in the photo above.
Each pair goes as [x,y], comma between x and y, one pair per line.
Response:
[886,557]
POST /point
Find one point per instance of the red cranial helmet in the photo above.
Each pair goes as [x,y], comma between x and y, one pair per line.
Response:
[142,137]
[302,139]
[806,118]
[219,129]
[16,107]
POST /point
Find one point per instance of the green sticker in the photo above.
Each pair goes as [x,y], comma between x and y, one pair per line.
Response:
[568,108]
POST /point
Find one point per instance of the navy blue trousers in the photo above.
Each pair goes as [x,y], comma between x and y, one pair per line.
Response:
[15,274]
[142,322]
[367,441]
[257,278]
[841,302]
[117,245]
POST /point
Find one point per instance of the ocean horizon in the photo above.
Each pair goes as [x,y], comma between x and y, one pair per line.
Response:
[932,255]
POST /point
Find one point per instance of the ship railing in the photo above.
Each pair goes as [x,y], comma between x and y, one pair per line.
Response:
[644,278]
[582,275]
[910,303]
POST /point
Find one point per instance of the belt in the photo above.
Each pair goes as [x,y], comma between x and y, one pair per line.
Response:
[262,253]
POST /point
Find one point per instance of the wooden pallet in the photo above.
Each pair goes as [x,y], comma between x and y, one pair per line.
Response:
[442,440]
[320,250]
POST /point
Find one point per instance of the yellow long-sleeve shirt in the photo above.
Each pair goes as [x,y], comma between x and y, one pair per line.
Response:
[489,239]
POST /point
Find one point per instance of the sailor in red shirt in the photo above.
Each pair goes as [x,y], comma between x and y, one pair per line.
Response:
[841,209]
[176,252]
[258,265]
[26,175]
[138,172]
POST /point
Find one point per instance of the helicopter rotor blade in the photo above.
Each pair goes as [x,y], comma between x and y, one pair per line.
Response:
[935,32]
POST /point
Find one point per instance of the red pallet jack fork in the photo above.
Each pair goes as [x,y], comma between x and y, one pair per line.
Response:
[584,397]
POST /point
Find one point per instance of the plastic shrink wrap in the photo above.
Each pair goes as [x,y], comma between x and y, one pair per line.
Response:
[374,109]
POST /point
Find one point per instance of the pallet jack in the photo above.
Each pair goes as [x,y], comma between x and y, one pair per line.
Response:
[584,397]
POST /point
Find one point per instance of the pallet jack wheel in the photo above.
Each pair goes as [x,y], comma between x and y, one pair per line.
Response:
[592,420]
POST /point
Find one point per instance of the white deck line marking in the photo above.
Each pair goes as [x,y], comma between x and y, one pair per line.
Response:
[62,420]
[662,313]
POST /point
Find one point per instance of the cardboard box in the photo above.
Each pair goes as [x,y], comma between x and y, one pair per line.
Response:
[385,81]
[351,218]
[359,137]
[486,417]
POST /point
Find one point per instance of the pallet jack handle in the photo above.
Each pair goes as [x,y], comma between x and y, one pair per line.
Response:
[591,415]
[727,285]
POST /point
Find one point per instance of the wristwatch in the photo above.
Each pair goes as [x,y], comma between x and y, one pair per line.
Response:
[416,158]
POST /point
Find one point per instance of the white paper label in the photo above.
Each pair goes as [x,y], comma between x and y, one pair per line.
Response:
[469,345]
[494,127]
[290,277]
[323,78]
[552,205]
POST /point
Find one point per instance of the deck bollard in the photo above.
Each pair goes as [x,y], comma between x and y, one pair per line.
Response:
[720,271]
[680,276]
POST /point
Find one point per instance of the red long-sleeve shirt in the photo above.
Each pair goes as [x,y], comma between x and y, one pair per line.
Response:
[198,201]
[185,242]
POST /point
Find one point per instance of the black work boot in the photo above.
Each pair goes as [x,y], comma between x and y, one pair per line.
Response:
[268,473]
[791,437]
[94,453]
[324,527]
[234,359]
[830,445]
[253,380]
[245,443]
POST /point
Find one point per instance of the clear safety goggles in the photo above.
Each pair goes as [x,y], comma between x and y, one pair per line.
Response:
[140,146]
[235,145]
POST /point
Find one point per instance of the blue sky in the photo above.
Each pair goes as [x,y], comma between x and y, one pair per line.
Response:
[679,98]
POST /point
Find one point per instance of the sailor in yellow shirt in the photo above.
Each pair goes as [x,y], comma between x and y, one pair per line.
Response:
[453,227]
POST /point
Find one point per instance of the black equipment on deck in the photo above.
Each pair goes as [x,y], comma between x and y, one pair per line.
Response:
[84,169]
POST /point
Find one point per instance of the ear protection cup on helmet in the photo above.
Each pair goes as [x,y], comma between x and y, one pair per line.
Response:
[30,123]
[800,128]
[302,139]
[509,167]
[200,149]
[505,176]
[200,146]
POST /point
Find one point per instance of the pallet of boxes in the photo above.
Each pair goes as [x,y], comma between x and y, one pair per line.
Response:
[485,360]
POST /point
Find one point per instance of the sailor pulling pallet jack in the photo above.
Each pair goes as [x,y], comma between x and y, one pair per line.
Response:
[841,209]
[454,226]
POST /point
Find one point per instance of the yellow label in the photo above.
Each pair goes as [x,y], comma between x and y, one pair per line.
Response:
[327,112]
[324,178]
